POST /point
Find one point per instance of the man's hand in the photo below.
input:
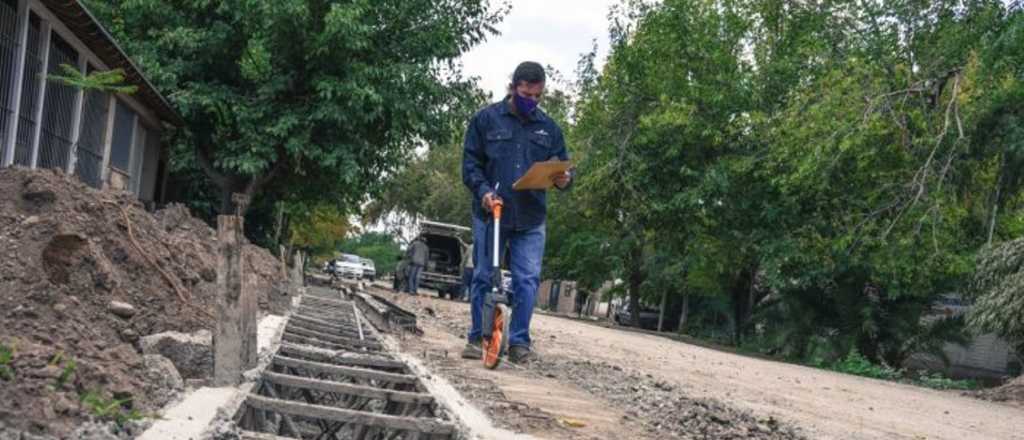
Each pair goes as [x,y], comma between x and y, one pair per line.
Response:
[562,180]
[488,201]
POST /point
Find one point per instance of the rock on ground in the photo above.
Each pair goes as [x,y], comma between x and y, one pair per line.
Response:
[121,309]
[190,354]
[163,382]
[90,430]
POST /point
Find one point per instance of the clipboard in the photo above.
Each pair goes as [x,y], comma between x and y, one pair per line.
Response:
[538,177]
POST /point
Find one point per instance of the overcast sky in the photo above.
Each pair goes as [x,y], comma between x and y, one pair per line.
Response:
[551,32]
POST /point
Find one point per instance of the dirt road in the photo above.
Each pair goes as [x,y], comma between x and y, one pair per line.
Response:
[586,362]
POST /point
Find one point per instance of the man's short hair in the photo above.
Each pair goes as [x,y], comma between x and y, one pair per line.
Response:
[529,72]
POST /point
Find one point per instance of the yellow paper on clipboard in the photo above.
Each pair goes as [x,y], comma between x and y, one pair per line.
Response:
[540,174]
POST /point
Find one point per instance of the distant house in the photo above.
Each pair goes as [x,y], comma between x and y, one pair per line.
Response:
[106,140]
[984,356]
[557,296]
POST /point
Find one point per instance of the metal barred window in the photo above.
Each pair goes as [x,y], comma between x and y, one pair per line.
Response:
[89,153]
[150,166]
[58,109]
[29,93]
[121,147]
[138,158]
[122,140]
[8,57]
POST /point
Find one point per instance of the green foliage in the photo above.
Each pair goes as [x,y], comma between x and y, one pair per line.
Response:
[318,229]
[379,247]
[110,409]
[110,81]
[310,102]
[6,357]
[68,367]
[939,382]
[429,186]
[820,168]
[998,288]
[856,364]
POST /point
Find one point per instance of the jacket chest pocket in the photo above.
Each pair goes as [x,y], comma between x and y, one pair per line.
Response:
[540,147]
[499,143]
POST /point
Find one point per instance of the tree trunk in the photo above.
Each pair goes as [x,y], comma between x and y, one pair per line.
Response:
[995,201]
[661,311]
[278,223]
[230,184]
[742,301]
[684,314]
[636,278]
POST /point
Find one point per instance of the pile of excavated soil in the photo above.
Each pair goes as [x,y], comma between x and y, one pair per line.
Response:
[66,252]
[1011,392]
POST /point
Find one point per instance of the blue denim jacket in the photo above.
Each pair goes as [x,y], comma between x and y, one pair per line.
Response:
[499,148]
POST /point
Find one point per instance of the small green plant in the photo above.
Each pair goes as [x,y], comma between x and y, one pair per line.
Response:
[104,81]
[939,382]
[858,365]
[6,357]
[68,369]
[109,409]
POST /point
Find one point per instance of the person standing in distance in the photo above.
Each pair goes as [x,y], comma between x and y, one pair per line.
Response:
[502,141]
[418,256]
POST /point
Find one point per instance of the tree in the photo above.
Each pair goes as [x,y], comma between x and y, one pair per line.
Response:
[827,168]
[319,229]
[429,185]
[313,100]
[998,289]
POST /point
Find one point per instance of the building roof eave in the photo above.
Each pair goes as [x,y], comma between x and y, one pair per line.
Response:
[87,28]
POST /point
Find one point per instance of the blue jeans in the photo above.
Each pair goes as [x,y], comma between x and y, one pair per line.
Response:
[414,278]
[527,251]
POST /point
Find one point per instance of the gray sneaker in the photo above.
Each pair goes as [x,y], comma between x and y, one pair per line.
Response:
[473,350]
[520,354]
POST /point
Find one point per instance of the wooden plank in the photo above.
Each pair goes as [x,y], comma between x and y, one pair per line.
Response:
[327,312]
[252,435]
[321,322]
[333,320]
[322,329]
[299,330]
[323,309]
[362,373]
[350,389]
[340,357]
[292,337]
[325,300]
[425,425]
[355,311]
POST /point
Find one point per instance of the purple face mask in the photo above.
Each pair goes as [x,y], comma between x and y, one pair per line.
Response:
[524,105]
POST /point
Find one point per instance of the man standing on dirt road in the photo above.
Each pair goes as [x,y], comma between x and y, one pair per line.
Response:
[418,253]
[502,141]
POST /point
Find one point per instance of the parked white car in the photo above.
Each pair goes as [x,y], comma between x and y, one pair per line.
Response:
[348,266]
